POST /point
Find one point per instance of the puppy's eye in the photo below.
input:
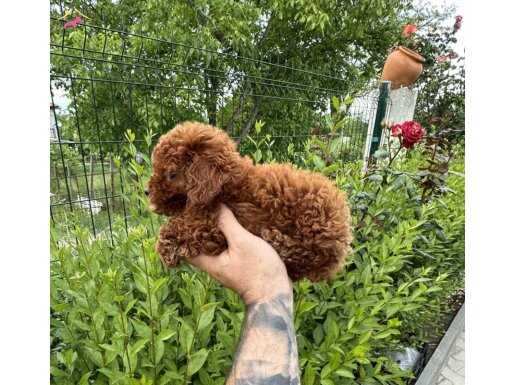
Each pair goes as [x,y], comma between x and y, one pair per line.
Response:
[171,175]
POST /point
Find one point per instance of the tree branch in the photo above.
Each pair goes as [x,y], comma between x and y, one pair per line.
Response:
[250,122]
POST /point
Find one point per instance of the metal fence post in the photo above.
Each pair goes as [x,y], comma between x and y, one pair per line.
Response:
[382,104]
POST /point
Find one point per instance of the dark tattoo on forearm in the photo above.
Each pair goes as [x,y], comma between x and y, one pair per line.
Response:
[267,352]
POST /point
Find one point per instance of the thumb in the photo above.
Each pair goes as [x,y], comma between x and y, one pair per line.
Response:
[229,225]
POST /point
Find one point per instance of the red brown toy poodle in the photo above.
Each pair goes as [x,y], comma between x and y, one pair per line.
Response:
[301,214]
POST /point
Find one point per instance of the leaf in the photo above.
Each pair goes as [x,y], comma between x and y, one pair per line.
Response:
[380,154]
[348,100]
[95,356]
[306,306]
[58,307]
[411,307]
[440,235]
[326,371]
[375,178]
[110,348]
[319,163]
[359,351]
[257,155]
[196,361]
[318,334]
[206,316]
[142,329]
[392,309]
[258,126]
[108,373]
[331,169]
[344,373]
[81,325]
[109,308]
[385,334]
[84,379]
[204,377]
[394,323]
[336,103]
[186,336]
[397,183]
[309,375]
[333,330]
[185,297]
[160,349]
[169,376]
[166,334]
[140,344]
[418,291]
[335,360]
[56,372]
[98,318]
[157,284]
[140,281]
[351,323]
[365,337]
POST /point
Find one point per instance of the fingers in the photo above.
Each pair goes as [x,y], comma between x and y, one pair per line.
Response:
[229,225]
[203,262]
[233,232]
[211,264]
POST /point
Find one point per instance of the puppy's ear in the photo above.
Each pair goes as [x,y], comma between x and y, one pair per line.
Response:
[205,179]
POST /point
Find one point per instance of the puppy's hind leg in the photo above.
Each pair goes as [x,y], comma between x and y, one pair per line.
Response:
[292,252]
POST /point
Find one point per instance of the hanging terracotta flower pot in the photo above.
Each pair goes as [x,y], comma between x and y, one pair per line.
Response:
[402,67]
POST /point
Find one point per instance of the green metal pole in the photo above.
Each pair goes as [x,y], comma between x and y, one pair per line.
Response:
[382,103]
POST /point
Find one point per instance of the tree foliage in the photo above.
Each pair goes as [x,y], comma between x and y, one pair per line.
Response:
[230,63]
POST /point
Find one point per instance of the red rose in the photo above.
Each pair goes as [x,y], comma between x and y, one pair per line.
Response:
[459,18]
[396,130]
[412,132]
[409,29]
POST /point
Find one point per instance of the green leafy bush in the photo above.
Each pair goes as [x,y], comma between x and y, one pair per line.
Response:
[119,317]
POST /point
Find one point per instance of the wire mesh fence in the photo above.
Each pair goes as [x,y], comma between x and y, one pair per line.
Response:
[106,81]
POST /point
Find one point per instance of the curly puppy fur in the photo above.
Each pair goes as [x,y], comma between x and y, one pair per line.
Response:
[301,214]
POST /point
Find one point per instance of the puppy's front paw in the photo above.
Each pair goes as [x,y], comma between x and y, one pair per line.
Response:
[168,250]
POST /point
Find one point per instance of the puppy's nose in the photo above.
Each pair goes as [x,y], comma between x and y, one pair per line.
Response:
[146,192]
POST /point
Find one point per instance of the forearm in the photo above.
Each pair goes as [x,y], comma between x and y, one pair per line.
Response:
[267,352]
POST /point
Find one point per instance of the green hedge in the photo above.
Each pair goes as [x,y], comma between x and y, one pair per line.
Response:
[118,317]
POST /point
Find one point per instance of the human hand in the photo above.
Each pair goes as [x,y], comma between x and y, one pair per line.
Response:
[249,266]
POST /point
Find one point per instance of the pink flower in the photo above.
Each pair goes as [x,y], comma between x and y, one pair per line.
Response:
[409,29]
[73,23]
[457,23]
[396,130]
[442,58]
